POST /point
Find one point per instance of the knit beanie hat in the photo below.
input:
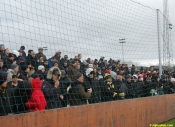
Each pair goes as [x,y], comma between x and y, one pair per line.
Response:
[78,75]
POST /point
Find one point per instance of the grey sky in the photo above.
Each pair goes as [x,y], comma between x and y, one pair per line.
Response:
[90,27]
[158,4]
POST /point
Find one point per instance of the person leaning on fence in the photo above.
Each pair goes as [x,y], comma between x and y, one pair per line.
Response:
[77,93]
[65,82]
[20,91]
[109,90]
[123,90]
[37,100]
[94,84]
[51,88]
[5,96]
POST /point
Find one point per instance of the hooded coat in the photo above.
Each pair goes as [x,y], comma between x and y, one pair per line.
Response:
[51,93]
[37,101]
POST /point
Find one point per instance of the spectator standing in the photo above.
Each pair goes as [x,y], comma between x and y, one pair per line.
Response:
[22,49]
[6,54]
[58,56]
[65,82]
[77,92]
[9,61]
[52,90]
[13,71]
[5,96]
[37,100]
[33,60]
[2,67]
[40,54]
[71,72]
[51,61]
[94,85]
[109,90]
[19,94]
[2,50]
[123,90]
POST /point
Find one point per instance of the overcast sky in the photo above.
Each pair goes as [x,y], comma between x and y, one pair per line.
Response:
[90,27]
[158,4]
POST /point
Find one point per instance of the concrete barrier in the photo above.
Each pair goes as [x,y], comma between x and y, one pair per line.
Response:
[139,112]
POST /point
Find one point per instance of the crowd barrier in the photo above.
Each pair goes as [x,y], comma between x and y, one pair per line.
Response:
[139,112]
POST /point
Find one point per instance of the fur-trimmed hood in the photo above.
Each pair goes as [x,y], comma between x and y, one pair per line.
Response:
[49,74]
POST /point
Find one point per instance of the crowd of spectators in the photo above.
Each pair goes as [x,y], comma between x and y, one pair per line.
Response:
[32,82]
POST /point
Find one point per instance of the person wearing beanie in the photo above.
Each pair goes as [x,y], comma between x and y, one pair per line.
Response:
[65,59]
[37,101]
[51,87]
[65,82]
[46,65]
[13,71]
[9,61]
[5,96]
[95,86]
[108,88]
[32,59]
[129,85]
[78,95]
[22,63]
[20,92]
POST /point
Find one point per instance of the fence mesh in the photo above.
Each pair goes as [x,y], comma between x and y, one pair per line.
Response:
[123,31]
[92,28]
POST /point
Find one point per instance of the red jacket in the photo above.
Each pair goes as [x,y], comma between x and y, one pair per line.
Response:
[37,100]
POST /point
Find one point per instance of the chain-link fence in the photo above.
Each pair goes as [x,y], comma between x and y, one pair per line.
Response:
[80,52]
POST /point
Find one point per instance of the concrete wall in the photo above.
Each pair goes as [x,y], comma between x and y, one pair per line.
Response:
[127,113]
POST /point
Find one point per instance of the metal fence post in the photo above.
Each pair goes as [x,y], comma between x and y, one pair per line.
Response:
[159,45]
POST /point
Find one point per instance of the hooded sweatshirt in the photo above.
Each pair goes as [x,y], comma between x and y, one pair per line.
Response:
[37,100]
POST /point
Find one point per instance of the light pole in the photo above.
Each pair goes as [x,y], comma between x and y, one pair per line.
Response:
[122,41]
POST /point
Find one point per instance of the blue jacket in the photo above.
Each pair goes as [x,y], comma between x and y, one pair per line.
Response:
[50,63]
